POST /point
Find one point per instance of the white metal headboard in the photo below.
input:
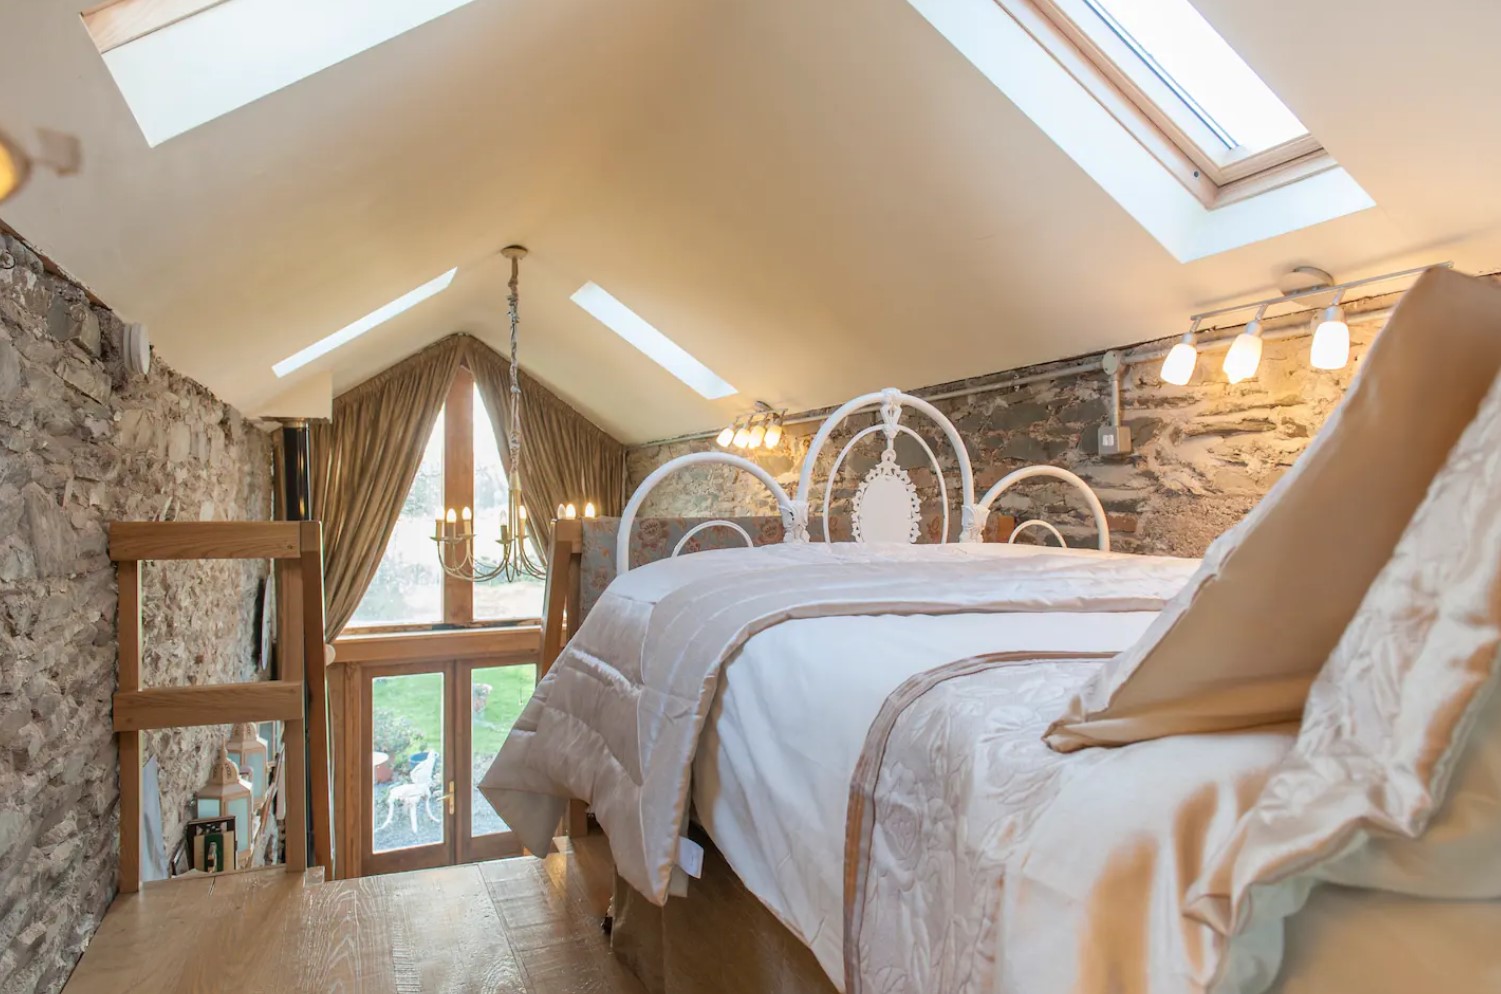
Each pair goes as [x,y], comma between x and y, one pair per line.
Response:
[628,516]
[1031,472]
[886,507]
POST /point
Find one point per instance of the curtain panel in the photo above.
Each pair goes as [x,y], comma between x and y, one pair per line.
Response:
[366,457]
[364,462]
[565,457]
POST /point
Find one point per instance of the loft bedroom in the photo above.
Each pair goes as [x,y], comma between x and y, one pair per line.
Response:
[659,498]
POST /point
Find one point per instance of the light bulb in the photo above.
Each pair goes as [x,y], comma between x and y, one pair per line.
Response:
[1331,340]
[570,511]
[773,435]
[1178,367]
[726,437]
[756,434]
[467,514]
[521,511]
[1245,352]
[560,511]
[589,511]
[450,517]
[742,438]
[14,167]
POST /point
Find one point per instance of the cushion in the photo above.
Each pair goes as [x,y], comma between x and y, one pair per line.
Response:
[1241,642]
[1394,782]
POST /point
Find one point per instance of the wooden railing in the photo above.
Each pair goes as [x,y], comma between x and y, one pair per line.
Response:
[299,692]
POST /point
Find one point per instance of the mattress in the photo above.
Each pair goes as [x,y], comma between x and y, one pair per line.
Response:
[772,774]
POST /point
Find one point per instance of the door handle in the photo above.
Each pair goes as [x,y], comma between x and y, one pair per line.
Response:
[448,797]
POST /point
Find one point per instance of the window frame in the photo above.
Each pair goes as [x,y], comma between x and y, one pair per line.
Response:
[1142,102]
[119,22]
[458,491]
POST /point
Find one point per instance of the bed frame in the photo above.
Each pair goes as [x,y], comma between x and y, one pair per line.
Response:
[886,507]
[669,948]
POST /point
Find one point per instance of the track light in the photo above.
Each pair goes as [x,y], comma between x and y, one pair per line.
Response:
[1331,339]
[762,428]
[1178,367]
[1245,352]
[773,433]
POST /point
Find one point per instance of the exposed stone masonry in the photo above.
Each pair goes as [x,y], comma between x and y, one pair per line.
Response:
[1203,453]
[82,444]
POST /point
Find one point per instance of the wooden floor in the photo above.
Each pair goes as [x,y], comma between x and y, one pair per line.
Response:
[521,925]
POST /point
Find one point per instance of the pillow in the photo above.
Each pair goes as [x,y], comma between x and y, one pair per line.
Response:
[1238,646]
[1394,782]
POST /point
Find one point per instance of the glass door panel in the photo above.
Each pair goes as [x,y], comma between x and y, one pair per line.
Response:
[409,776]
[496,695]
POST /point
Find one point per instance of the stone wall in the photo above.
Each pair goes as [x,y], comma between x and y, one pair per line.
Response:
[82,444]
[1204,453]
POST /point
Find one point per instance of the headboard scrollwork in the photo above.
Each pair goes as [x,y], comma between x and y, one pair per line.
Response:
[633,507]
[886,506]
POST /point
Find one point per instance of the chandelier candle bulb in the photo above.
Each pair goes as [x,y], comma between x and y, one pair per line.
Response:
[726,437]
[589,511]
[756,435]
[570,512]
[773,434]
[742,438]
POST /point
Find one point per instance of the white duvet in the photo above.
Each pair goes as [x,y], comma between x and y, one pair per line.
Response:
[616,721]
[771,786]
[772,778]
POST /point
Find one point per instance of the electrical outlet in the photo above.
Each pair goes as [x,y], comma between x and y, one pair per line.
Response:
[1115,440]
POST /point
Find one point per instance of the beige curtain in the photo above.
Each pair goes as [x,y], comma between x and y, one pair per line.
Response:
[365,459]
[364,462]
[565,456]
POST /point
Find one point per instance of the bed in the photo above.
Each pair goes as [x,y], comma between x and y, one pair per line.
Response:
[854,733]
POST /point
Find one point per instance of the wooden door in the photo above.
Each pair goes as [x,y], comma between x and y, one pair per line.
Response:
[415,816]
[491,697]
[408,801]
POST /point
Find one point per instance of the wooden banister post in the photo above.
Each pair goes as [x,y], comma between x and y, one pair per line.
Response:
[129,576]
[315,661]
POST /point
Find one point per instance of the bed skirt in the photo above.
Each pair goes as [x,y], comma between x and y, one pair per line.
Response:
[719,938]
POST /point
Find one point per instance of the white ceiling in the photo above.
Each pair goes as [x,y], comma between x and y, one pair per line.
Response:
[815,199]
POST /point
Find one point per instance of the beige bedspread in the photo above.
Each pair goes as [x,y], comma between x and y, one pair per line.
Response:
[617,720]
[979,860]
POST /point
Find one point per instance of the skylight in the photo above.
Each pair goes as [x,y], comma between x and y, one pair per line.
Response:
[183,63]
[350,332]
[1148,100]
[1214,83]
[656,346]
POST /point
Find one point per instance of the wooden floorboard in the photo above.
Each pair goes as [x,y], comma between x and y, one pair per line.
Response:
[523,925]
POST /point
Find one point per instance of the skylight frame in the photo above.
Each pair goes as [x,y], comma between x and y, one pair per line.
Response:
[114,23]
[361,326]
[181,64]
[609,311]
[1160,114]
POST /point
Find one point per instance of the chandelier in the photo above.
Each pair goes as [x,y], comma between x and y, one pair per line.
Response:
[454,534]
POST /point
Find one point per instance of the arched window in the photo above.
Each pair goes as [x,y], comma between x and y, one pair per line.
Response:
[461,467]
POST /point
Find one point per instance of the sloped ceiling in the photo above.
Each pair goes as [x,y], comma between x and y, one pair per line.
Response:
[816,199]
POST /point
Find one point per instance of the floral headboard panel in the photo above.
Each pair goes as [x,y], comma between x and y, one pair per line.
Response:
[656,538]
